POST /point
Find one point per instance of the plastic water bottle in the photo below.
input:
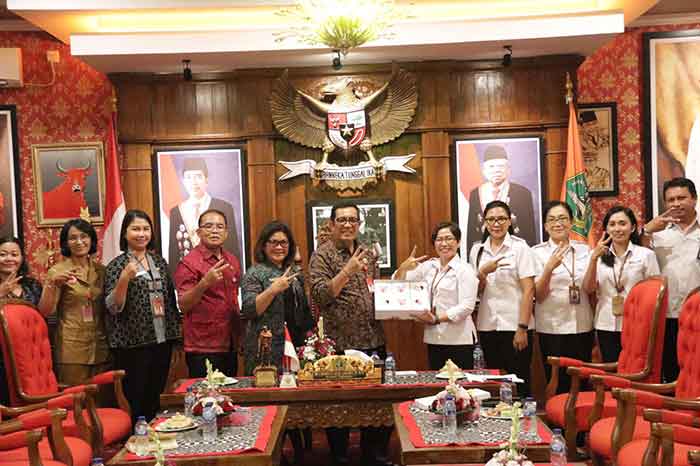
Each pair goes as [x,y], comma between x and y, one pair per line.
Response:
[97,462]
[189,401]
[557,449]
[209,431]
[530,413]
[375,357]
[449,416]
[390,369]
[478,359]
[506,393]
[141,434]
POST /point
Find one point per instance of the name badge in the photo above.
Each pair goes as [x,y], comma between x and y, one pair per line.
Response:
[574,294]
[87,313]
[157,304]
[618,305]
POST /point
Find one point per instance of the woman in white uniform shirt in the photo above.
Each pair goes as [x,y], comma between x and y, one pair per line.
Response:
[506,270]
[449,329]
[563,313]
[617,263]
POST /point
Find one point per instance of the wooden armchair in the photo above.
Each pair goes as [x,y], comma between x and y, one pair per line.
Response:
[643,331]
[30,378]
[55,450]
[609,435]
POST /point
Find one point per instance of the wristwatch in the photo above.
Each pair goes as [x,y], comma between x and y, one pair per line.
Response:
[522,326]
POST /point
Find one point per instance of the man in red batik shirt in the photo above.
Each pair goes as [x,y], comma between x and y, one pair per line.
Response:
[207,281]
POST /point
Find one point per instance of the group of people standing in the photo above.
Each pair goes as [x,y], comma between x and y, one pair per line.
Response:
[128,314]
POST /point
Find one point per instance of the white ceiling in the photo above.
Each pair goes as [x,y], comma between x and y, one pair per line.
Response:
[253,46]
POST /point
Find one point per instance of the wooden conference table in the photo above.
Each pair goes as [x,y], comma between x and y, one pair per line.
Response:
[269,456]
[330,406]
[454,454]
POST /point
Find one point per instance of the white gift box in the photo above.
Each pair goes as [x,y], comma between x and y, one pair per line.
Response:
[400,299]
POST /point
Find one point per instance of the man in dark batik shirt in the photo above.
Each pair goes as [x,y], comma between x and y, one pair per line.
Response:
[341,273]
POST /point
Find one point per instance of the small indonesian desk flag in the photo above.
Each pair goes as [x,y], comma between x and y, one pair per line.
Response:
[290,360]
[115,208]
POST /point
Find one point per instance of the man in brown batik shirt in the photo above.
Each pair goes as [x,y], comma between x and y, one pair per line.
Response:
[342,273]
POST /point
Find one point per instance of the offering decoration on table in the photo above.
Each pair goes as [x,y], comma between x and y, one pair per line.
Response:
[215,378]
[176,423]
[504,411]
[222,404]
[158,442]
[316,346]
[331,369]
[468,406]
[509,454]
[265,373]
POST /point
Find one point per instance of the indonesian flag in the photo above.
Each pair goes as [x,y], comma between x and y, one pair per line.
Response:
[290,360]
[115,209]
[574,190]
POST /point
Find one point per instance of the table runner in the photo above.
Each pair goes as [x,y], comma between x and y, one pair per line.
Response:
[425,430]
[232,440]
[422,378]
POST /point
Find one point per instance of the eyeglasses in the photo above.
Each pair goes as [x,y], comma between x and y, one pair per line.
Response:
[77,239]
[348,220]
[274,243]
[445,239]
[561,220]
[213,226]
[496,220]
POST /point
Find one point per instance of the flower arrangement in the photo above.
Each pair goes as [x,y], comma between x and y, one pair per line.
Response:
[316,346]
[463,399]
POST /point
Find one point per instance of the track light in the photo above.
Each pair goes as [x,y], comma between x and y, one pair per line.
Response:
[508,56]
[186,71]
[337,64]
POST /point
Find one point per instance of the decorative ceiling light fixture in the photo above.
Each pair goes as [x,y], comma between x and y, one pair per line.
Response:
[340,24]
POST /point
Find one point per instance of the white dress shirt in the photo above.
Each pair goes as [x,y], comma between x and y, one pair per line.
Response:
[453,293]
[640,264]
[190,210]
[677,253]
[499,308]
[556,314]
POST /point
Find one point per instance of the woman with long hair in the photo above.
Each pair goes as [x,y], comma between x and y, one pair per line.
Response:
[505,266]
[143,321]
[617,263]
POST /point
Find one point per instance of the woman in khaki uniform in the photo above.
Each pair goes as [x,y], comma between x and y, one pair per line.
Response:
[73,289]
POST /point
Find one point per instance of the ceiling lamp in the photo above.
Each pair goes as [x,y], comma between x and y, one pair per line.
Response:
[340,24]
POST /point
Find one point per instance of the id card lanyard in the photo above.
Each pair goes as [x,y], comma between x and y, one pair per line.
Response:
[87,311]
[434,287]
[618,301]
[574,290]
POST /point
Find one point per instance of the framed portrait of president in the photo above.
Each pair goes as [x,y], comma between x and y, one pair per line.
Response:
[506,168]
[187,181]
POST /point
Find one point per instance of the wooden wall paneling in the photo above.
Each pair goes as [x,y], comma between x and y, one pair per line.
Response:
[555,159]
[175,110]
[262,193]
[235,102]
[136,178]
[502,108]
[436,179]
[134,107]
[212,112]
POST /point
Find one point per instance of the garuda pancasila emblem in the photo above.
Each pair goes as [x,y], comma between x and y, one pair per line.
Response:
[341,120]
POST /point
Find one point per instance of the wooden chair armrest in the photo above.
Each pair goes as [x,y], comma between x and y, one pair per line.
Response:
[670,417]
[10,412]
[694,457]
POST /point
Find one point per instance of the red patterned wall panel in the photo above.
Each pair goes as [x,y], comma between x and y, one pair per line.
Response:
[614,74]
[76,108]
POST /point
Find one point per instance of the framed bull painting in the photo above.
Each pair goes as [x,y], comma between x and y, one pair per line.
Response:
[70,182]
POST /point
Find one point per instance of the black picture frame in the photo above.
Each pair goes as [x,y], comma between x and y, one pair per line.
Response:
[466,160]
[662,160]
[599,147]
[224,164]
[317,211]
[10,174]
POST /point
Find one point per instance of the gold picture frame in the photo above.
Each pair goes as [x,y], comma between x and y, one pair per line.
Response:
[69,182]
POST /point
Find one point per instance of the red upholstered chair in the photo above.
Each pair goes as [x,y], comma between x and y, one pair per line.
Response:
[643,330]
[30,377]
[54,450]
[668,445]
[610,434]
[681,412]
